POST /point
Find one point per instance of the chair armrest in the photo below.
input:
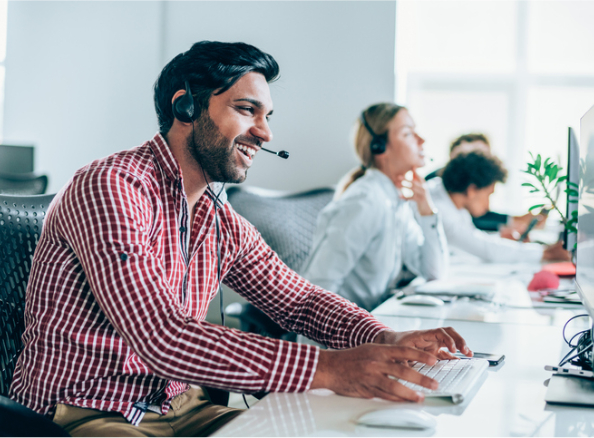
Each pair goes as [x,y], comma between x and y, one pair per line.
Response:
[18,420]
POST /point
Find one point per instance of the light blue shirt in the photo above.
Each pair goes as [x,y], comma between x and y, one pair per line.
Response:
[461,233]
[364,238]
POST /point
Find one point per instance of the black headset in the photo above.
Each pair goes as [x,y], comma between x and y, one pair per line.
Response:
[183,106]
[378,142]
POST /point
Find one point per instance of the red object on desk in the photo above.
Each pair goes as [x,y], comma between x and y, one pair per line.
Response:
[543,280]
[562,269]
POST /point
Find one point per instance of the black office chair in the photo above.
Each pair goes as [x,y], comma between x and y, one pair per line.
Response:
[287,222]
[23,183]
[21,220]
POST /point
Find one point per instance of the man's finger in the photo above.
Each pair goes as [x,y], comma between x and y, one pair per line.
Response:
[410,375]
[399,354]
[445,355]
[459,341]
[392,390]
[444,339]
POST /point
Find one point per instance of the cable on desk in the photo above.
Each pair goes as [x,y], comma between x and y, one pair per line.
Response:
[583,356]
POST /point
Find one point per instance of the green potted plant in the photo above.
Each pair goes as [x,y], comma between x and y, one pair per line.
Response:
[548,183]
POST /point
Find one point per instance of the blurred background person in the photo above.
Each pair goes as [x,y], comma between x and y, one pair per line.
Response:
[463,192]
[510,227]
[371,237]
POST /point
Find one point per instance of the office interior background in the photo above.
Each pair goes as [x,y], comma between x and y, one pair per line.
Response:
[76,77]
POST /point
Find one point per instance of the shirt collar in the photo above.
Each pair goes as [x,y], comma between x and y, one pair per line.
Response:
[173,171]
[385,183]
[165,157]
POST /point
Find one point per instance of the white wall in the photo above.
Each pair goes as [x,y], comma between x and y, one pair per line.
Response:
[78,80]
[79,77]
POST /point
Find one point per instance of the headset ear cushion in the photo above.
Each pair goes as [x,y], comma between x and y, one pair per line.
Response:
[378,145]
[183,106]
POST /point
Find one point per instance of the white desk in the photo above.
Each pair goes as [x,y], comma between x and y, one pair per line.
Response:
[513,304]
[510,401]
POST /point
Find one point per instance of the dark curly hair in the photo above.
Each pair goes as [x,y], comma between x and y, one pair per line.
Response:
[474,167]
[210,67]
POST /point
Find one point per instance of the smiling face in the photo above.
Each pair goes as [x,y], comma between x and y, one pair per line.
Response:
[228,135]
[404,149]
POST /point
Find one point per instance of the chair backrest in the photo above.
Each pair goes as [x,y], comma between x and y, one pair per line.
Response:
[23,183]
[286,221]
[21,220]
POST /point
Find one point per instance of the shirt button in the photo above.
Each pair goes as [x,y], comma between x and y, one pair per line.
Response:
[182,229]
[123,256]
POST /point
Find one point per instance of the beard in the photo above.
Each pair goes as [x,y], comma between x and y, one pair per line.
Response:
[214,152]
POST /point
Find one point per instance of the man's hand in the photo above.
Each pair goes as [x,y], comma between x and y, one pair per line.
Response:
[555,252]
[365,371]
[432,341]
[519,223]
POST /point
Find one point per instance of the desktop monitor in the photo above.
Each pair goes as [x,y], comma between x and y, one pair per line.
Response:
[16,159]
[573,175]
[585,237]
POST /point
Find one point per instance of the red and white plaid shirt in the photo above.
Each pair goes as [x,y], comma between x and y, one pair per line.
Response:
[116,302]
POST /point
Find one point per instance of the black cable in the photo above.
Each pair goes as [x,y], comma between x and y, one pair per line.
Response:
[215,198]
[583,345]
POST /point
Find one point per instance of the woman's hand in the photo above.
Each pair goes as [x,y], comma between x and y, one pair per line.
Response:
[417,192]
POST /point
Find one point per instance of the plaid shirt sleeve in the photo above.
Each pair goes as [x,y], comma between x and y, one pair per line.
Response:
[297,305]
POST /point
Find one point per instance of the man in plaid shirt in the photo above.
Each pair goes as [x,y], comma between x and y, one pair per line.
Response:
[130,257]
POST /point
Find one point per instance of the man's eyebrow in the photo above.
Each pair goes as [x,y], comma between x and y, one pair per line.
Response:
[254,102]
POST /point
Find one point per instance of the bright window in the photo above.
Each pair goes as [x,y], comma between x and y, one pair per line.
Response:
[519,71]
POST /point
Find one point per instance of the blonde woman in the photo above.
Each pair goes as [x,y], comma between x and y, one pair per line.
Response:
[374,233]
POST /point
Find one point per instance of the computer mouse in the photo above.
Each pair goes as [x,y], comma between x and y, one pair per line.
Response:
[421,300]
[398,419]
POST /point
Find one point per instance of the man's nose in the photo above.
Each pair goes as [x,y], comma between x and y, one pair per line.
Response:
[420,139]
[262,131]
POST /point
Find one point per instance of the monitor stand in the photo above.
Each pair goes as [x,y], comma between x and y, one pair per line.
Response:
[570,390]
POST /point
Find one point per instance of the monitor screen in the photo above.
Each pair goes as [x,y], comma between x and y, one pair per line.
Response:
[16,159]
[585,237]
[573,175]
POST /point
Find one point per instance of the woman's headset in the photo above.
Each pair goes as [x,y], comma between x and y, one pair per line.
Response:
[378,142]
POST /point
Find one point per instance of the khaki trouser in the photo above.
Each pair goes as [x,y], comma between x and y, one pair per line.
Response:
[191,414]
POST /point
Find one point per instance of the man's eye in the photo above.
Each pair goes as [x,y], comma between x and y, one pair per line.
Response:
[249,109]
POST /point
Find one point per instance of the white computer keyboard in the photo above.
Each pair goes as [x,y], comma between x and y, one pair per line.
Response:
[457,378]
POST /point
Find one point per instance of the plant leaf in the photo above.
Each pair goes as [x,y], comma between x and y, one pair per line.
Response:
[527,184]
[535,206]
[553,172]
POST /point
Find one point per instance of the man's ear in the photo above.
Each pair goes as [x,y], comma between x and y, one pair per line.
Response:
[471,191]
